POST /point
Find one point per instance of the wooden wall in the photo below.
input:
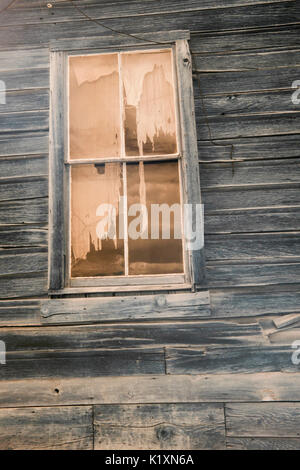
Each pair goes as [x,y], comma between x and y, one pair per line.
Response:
[79,386]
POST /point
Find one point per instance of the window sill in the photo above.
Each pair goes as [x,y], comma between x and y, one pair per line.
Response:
[161,306]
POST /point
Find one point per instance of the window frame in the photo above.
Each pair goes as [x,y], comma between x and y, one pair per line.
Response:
[58,177]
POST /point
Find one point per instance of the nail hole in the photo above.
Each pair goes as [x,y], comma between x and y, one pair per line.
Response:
[56,390]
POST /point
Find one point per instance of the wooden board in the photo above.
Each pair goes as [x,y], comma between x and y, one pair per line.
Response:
[161,426]
[276,386]
[78,363]
[154,335]
[63,428]
[229,360]
[262,419]
[145,307]
[264,443]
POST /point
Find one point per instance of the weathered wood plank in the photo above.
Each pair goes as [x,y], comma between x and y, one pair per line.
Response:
[262,419]
[65,12]
[236,126]
[253,220]
[27,211]
[246,60]
[155,335]
[248,16]
[287,336]
[62,428]
[247,80]
[161,426]
[23,166]
[23,122]
[264,443]
[255,302]
[28,187]
[228,41]
[233,275]
[247,173]
[143,307]
[271,101]
[276,386]
[24,59]
[255,148]
[264,246]
[77,363]
[28,100]
[23,286]
[252,196]
[26,143]
[19,313]
[286,320]
[16,236]
[25,79]
[22,261]
[229,360]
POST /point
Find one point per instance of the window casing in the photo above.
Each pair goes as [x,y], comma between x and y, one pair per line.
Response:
[77,162]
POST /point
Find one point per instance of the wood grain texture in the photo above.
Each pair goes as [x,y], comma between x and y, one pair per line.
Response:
[229,360]
[262,419]
[77,363]
[62,428]
[154,335]
[19,313]
[16,236]
[27,211]
[26,285]
[24,143]
[145,307]
[264,443]
[244,17]
[161,426]
[252,388]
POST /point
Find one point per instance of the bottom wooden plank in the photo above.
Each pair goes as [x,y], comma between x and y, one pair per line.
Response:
[271,386]
[160,426]
[274,443]
[263,419]
[62,428]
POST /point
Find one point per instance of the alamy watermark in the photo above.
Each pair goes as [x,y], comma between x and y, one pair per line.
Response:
[2,352]
[296,94]
[2,92]
[169,221]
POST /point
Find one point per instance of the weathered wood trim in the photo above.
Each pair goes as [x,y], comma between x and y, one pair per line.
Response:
[144,307]
[191,176]
[100,42]
[56,171]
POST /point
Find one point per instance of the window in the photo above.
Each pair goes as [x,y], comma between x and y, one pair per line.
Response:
[123,166]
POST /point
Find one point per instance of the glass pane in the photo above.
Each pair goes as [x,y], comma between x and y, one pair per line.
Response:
[94,106]
[96,249]
[149,104]
[149,185]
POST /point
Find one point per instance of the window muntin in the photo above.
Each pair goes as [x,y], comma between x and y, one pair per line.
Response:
[138,122]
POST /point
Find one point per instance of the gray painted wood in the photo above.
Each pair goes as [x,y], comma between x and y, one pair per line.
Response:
[26,100]
[145,307]
[161,426]
[20,122]
[262,419]
[63,428]
[22,260]
[229,360]
[286,320]
[25,188]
